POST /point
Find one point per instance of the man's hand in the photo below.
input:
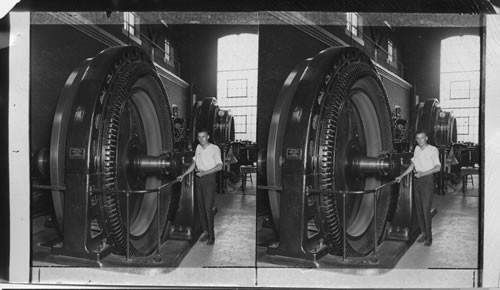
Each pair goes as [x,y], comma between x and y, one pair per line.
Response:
[180,178]
[200,173]
[418,174]
[398,179]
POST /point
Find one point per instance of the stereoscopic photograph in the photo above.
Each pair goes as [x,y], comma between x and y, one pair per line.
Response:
[142,144]
[258,148]
[370,128]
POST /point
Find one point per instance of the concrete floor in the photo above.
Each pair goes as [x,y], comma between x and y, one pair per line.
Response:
[455,233]
[451,261]
[230,262]
[235,227]
[455,236]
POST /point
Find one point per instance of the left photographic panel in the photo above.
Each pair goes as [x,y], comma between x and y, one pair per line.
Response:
[142,148]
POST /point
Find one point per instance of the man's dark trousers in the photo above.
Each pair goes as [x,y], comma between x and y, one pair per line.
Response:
[424,190]
[205,196]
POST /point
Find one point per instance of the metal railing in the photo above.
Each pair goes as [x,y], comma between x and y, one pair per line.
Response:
[357,192]
[344,194]
[127,192]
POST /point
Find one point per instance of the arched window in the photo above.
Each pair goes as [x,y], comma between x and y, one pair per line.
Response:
[237,63]
[459,86]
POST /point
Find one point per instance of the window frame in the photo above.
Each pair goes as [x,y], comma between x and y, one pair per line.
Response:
[468,125]
[358,36]
[240,124]
[237,96]
[167,54]
[462,81]
[390,51]
[128,25]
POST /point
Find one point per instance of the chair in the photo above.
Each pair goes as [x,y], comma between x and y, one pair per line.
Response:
[465,172]
[245,171]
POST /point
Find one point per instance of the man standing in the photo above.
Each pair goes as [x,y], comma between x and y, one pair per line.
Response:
[207,161]
[425,163]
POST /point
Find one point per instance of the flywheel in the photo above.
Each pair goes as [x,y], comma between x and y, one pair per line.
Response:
[440,126]
[218,122]
[114,110]
[332,110]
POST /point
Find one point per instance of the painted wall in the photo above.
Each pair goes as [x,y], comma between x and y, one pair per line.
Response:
[198,53]
[422,50]
[55,51]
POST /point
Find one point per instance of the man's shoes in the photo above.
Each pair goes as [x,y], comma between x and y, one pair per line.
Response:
[428,242]
[422,239]
[211,241]
[204,237]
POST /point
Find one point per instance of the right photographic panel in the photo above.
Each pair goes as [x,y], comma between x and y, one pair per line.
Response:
[369,150]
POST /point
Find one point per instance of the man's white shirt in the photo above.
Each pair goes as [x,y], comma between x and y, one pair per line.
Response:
[207,158]
[425,159]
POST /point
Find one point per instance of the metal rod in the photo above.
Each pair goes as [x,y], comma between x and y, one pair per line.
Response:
[270,187]
[375,223]
[128,226]
[385,184]
[353,192]
[349,192]
[143,191]
[343,226]
[158,223]
[53,187]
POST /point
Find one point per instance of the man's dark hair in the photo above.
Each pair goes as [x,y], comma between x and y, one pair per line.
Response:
[421,131]
[201,130]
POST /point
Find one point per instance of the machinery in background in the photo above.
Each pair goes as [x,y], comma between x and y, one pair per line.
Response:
[441,128]
[241,153]
[400,125]
[331,160]
[180,134]
[220,125]
[114,157]
[461,155]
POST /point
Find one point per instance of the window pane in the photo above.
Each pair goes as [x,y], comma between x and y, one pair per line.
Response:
[125,20]
[460,89]
[237,76]
[237,88]
[240,124]
[459,85]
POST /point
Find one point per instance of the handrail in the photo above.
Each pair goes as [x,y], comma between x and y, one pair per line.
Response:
[106,190]
[344,194]
[348,192]
[142,191]
[133,191]
[270,187]
[52,187]
[127,192]
[353,192]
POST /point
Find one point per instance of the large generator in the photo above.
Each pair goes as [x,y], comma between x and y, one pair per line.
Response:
[111,167]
